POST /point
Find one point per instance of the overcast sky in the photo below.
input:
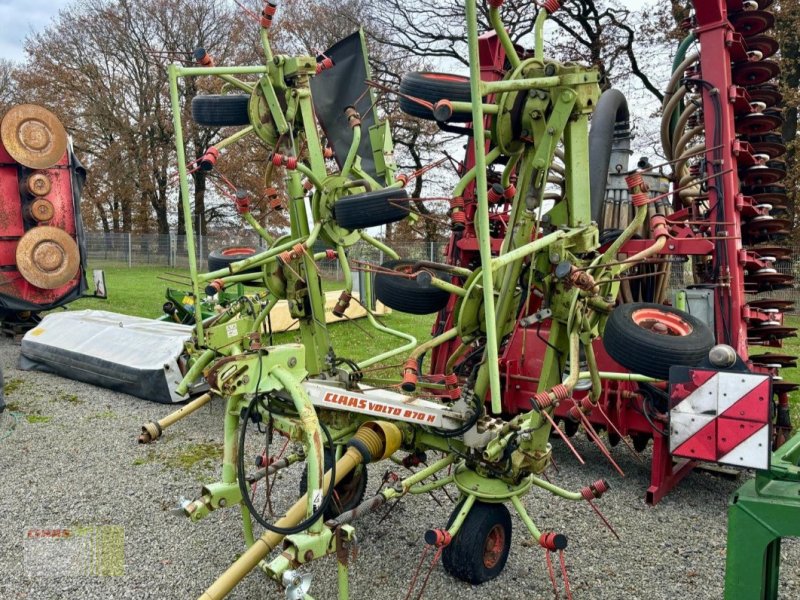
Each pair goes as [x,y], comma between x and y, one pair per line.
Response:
[18,18]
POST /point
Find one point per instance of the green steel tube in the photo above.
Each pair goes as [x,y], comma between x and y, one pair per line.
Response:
[237,83]
[591,362]
[611,254]
[429,487]
[462,184]
[412,342]
[538,33]
[180,151]
[465,107]
[554,489]
[247,526]
[195,371]
[448,287]
[345,266]
[518,85]
[253,261]
[352,153]
[233,138]
[201,71]
[312,237]
[265,45]
[240,278]
[431,469]
[531,247]
[378,244]
[497,24]
[611,375]
[484,240]
[311,435]
[251,220]
[469,502]
[315,181]
[343,581]
[262,316]
[433,342]
[458,353]
[523,514]
[229,449]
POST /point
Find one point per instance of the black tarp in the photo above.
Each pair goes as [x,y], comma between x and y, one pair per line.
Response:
[341,86]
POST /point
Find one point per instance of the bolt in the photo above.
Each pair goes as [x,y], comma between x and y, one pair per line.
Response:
[222,503]
[292,362]
[309,556]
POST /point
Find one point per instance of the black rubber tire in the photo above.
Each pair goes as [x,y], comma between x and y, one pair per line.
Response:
[432,87]
[464,557]
[215,110]
[640,441]
[222,257]
[412,296]
[351,488]
[371,209]
[652,354]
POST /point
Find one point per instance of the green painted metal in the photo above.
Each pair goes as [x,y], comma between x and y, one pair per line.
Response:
[760,513]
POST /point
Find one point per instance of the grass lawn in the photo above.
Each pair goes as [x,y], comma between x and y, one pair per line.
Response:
[138,291]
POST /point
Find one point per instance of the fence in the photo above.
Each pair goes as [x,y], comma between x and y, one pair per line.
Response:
[170,251]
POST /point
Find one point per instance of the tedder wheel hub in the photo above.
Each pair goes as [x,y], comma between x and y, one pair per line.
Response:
[493,549]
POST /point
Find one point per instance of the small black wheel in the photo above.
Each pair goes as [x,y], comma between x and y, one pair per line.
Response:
[640,441]
[371,209]
[215,110]
[433,87]
[415,296]
[478,552]
[221,258]
[649,338]
[348,493]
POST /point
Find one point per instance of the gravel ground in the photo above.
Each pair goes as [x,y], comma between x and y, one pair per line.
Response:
[72,460]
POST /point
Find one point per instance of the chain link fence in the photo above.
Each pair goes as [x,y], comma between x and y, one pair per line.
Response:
[171,251]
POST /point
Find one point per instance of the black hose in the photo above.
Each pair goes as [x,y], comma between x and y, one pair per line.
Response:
[303,525]
[610,128]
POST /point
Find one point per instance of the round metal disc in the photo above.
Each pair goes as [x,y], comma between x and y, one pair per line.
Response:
[768,93]
[785,360]
[770,144]
[784,387]
[47,257]
[779,252]
[39,184]
[752,22]
[765,44]
[42,210]
[771,332]
[755,73]
[33,136]
[761,175]
[757,123]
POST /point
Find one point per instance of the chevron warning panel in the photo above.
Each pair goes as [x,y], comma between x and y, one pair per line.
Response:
[720,416]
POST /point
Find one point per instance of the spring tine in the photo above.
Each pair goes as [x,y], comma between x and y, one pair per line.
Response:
[564,437]
[587,425]
[617,431]
[603,518]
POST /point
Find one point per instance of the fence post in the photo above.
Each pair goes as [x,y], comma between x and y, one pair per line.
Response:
[173,250]
[130,251]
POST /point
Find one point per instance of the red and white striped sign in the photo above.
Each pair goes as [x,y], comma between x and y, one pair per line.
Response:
[722,417]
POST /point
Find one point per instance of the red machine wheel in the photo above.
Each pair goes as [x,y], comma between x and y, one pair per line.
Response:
[650,338]
[479,550]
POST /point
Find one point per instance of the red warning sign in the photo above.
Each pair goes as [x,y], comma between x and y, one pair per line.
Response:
[722,417]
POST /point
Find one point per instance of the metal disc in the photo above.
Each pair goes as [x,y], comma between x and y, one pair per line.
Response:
[33,136]
[39,184]
[765,44]
[776,332]
[42,210]
[770,144]
[752,22]
[757,123]
[768,93]
[47,257]
[778,252]
[759,175]
[785,360]
[755,73]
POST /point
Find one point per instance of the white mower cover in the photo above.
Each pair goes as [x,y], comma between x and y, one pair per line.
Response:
[128,354]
